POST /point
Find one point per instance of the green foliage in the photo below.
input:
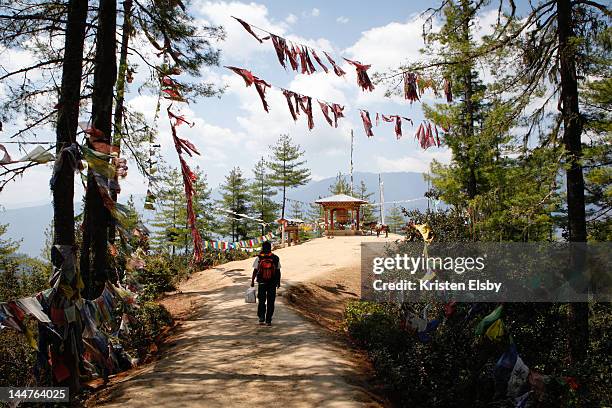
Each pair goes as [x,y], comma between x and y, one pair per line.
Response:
[287,170]
[296,210]
[171,232]
[160,275]
[149,321]
[447,225]
[16,360]
[371,324]
[235,197]
[367,212]
[261,193]
[455,369]
[395,220]
[7,246]
[20,276]
[340,185]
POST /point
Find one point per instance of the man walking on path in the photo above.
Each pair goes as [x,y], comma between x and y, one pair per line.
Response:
[267,269]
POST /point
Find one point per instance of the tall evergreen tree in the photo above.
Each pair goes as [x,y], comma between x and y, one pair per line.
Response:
[297,210]
[170,217]
[235,197]
[171,230]
[288,171]
[395,220]
[340,185]
[366,212]
[261,193]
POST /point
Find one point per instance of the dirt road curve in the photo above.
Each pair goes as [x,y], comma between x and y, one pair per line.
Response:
[223,358]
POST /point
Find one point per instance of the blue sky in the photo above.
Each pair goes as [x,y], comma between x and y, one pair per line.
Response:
[234,130]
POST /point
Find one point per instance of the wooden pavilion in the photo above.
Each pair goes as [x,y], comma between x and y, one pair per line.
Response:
[341,214]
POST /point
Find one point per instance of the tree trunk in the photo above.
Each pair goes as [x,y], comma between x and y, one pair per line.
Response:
[67,123]
[121,79]
[472,189]
[95,261]
[572,132]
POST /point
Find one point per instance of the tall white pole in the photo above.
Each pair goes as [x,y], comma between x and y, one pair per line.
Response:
[381,189]
[352,163]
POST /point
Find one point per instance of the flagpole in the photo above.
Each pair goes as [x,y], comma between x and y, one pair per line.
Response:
[352,139]
[381,189]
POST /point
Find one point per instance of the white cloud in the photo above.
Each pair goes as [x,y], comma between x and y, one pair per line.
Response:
[239,44]
[418,161]
[291,18]
[390,45]
[315,12]
[342,20]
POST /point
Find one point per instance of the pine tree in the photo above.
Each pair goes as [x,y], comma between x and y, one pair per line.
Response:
[235,197]
[297,211]
[340,185]
[288,170]
[395,220]
[261,193]
[171,230]
[367,213]
[170,217]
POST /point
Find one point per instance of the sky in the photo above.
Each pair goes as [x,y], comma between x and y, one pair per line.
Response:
[234,130]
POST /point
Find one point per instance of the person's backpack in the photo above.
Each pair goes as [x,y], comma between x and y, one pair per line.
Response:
[266,268]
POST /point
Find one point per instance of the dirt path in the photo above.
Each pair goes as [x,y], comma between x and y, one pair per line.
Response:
[222,358]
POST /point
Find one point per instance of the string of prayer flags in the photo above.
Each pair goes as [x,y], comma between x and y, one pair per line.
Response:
[299,56]
[325,110]
[179,120]
[306,105]
[367,123]
[425,135]
[411,91]
[38,155]
[249,29]
[338,112]
[250,243]
[292,98]
[306,62]
[280,46]
[172,89]
[363,80]
[337,70]
[250,79]
[316,57]
[298,103]
[398,123]
[183,145]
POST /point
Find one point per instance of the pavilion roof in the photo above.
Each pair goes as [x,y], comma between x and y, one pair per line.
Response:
[340,198]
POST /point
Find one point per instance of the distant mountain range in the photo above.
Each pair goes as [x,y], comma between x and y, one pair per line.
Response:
[28,223]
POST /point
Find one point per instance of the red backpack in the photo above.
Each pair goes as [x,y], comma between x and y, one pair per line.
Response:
[266,268]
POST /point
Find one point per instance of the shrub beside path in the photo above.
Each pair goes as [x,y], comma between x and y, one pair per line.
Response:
[221,357]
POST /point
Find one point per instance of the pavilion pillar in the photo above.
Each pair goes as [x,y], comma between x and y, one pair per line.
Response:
[331,217]
[326,221]
[357,223]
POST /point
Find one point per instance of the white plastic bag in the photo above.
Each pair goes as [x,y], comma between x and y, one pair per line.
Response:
[250,296]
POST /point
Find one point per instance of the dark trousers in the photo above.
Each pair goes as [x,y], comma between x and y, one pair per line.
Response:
[266,293]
